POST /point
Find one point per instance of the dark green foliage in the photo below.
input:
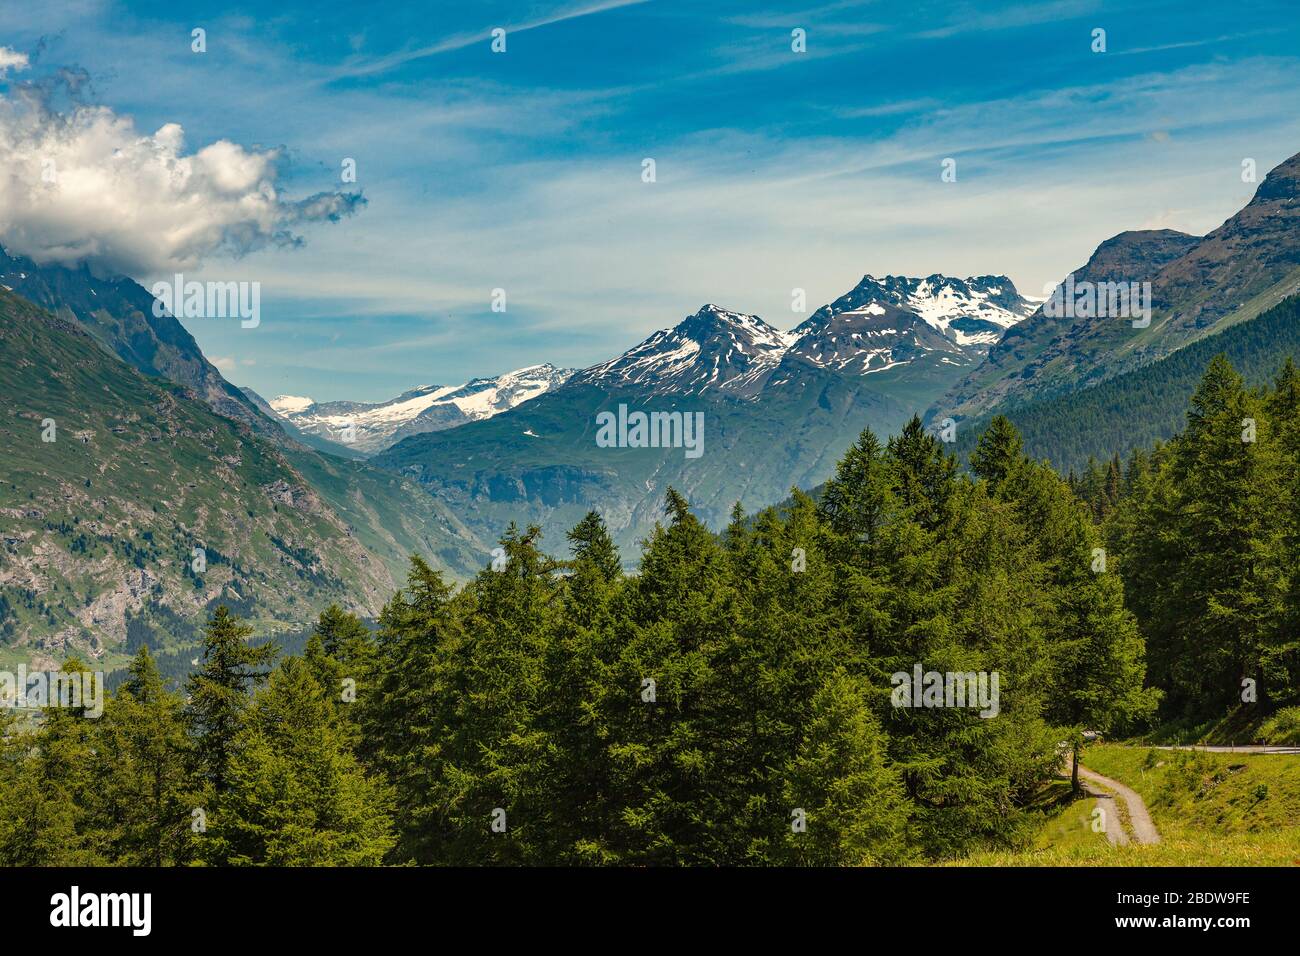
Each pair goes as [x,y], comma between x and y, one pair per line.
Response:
[298,795]
[731,703]
[143,795]
[47,814]
[736,701]
[1134,410]
[1205,533]
[218,693]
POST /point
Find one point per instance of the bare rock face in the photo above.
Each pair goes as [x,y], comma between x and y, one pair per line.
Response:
[1198,284]
[713,350]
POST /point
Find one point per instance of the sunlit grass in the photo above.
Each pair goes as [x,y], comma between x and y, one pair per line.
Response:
[1211,810]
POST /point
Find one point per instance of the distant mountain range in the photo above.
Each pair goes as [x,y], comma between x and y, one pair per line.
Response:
[370,428]
[1199,285]
[780,407]
[881,324]
[158,453]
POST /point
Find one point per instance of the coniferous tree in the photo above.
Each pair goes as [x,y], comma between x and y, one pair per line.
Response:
[591,543]
[683,714]
[847,804]
[1280,661]
[668,742]
[923,474]
[218,696]
[296,795]
[49,819]
[856,502]
[404,718]
[1226,469]
[144,797]
[999,451]
[573,782]
[345,639]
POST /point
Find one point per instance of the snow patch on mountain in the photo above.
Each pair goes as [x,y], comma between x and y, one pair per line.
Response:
[878,325]
[290,404]
[371,428]
[713,349]
[972,313]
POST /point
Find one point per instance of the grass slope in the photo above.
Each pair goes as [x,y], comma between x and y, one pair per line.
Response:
[1211,810]
[393,517]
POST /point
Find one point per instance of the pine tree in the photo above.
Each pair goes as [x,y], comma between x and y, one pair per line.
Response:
[345,639]
[923,474]
[1227,469]
[497,745]
[573,782]
[48,818]
[785,637]
[846,805]
[1280,663]
[144,795]
[999,451]
[296,794]
[343,655]
[593,547]
[667,741]
[218,694]
[404,720]
[857,501]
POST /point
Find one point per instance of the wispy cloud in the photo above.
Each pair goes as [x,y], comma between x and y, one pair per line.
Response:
[369,66]
[775,170]
[894,108]
[1191,44]
[593,259]
[969,19]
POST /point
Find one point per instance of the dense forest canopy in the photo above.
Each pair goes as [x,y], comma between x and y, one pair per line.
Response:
[731,702]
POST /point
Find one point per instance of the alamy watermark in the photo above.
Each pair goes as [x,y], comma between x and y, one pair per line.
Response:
[651,430]
[209,300]
[75,908]
[1100,300]
[946,689]
[53,689]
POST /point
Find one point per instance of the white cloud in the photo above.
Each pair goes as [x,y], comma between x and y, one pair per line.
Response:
[84,185]
[11,60]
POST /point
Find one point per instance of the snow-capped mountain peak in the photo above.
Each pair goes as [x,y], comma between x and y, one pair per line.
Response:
[289,404]
[972,312]
[713,349]
[372,427]
[883,323]
[879,324]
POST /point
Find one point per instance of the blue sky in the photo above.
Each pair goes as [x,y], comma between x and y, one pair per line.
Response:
[775,170]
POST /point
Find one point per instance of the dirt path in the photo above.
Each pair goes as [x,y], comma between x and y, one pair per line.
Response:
[1139,820]
[1116,835]
[1227,749]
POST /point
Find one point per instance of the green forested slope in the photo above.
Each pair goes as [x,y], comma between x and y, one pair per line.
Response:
[1149,404]
[99,525]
